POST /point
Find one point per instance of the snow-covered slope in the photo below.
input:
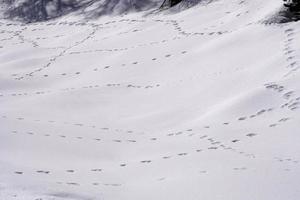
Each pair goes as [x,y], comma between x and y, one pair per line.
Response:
[202,104]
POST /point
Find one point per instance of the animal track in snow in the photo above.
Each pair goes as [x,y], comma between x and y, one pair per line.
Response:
[289,52]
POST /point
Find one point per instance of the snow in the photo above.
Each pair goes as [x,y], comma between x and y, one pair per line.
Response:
[198,104]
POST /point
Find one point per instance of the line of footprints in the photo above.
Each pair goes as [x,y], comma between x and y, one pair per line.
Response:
[289,52]
[97,69]
[96,27]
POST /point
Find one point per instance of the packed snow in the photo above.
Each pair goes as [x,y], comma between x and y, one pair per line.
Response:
[197,104]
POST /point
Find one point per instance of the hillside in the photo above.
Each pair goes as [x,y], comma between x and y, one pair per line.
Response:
[179,104]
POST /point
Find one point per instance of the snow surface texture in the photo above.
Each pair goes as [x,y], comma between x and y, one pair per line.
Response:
[202,104]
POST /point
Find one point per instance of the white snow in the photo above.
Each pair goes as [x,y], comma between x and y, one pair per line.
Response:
[199,104]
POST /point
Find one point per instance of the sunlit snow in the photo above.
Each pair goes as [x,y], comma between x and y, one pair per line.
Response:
[190,104]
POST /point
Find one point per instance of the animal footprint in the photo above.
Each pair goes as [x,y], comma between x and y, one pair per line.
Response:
[182,154]
[241,168]
[251,134]
[74,184]
[43,172]
[242,118]
[146,161]
[96,170]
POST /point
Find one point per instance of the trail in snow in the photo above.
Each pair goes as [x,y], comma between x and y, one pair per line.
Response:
[200,104]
